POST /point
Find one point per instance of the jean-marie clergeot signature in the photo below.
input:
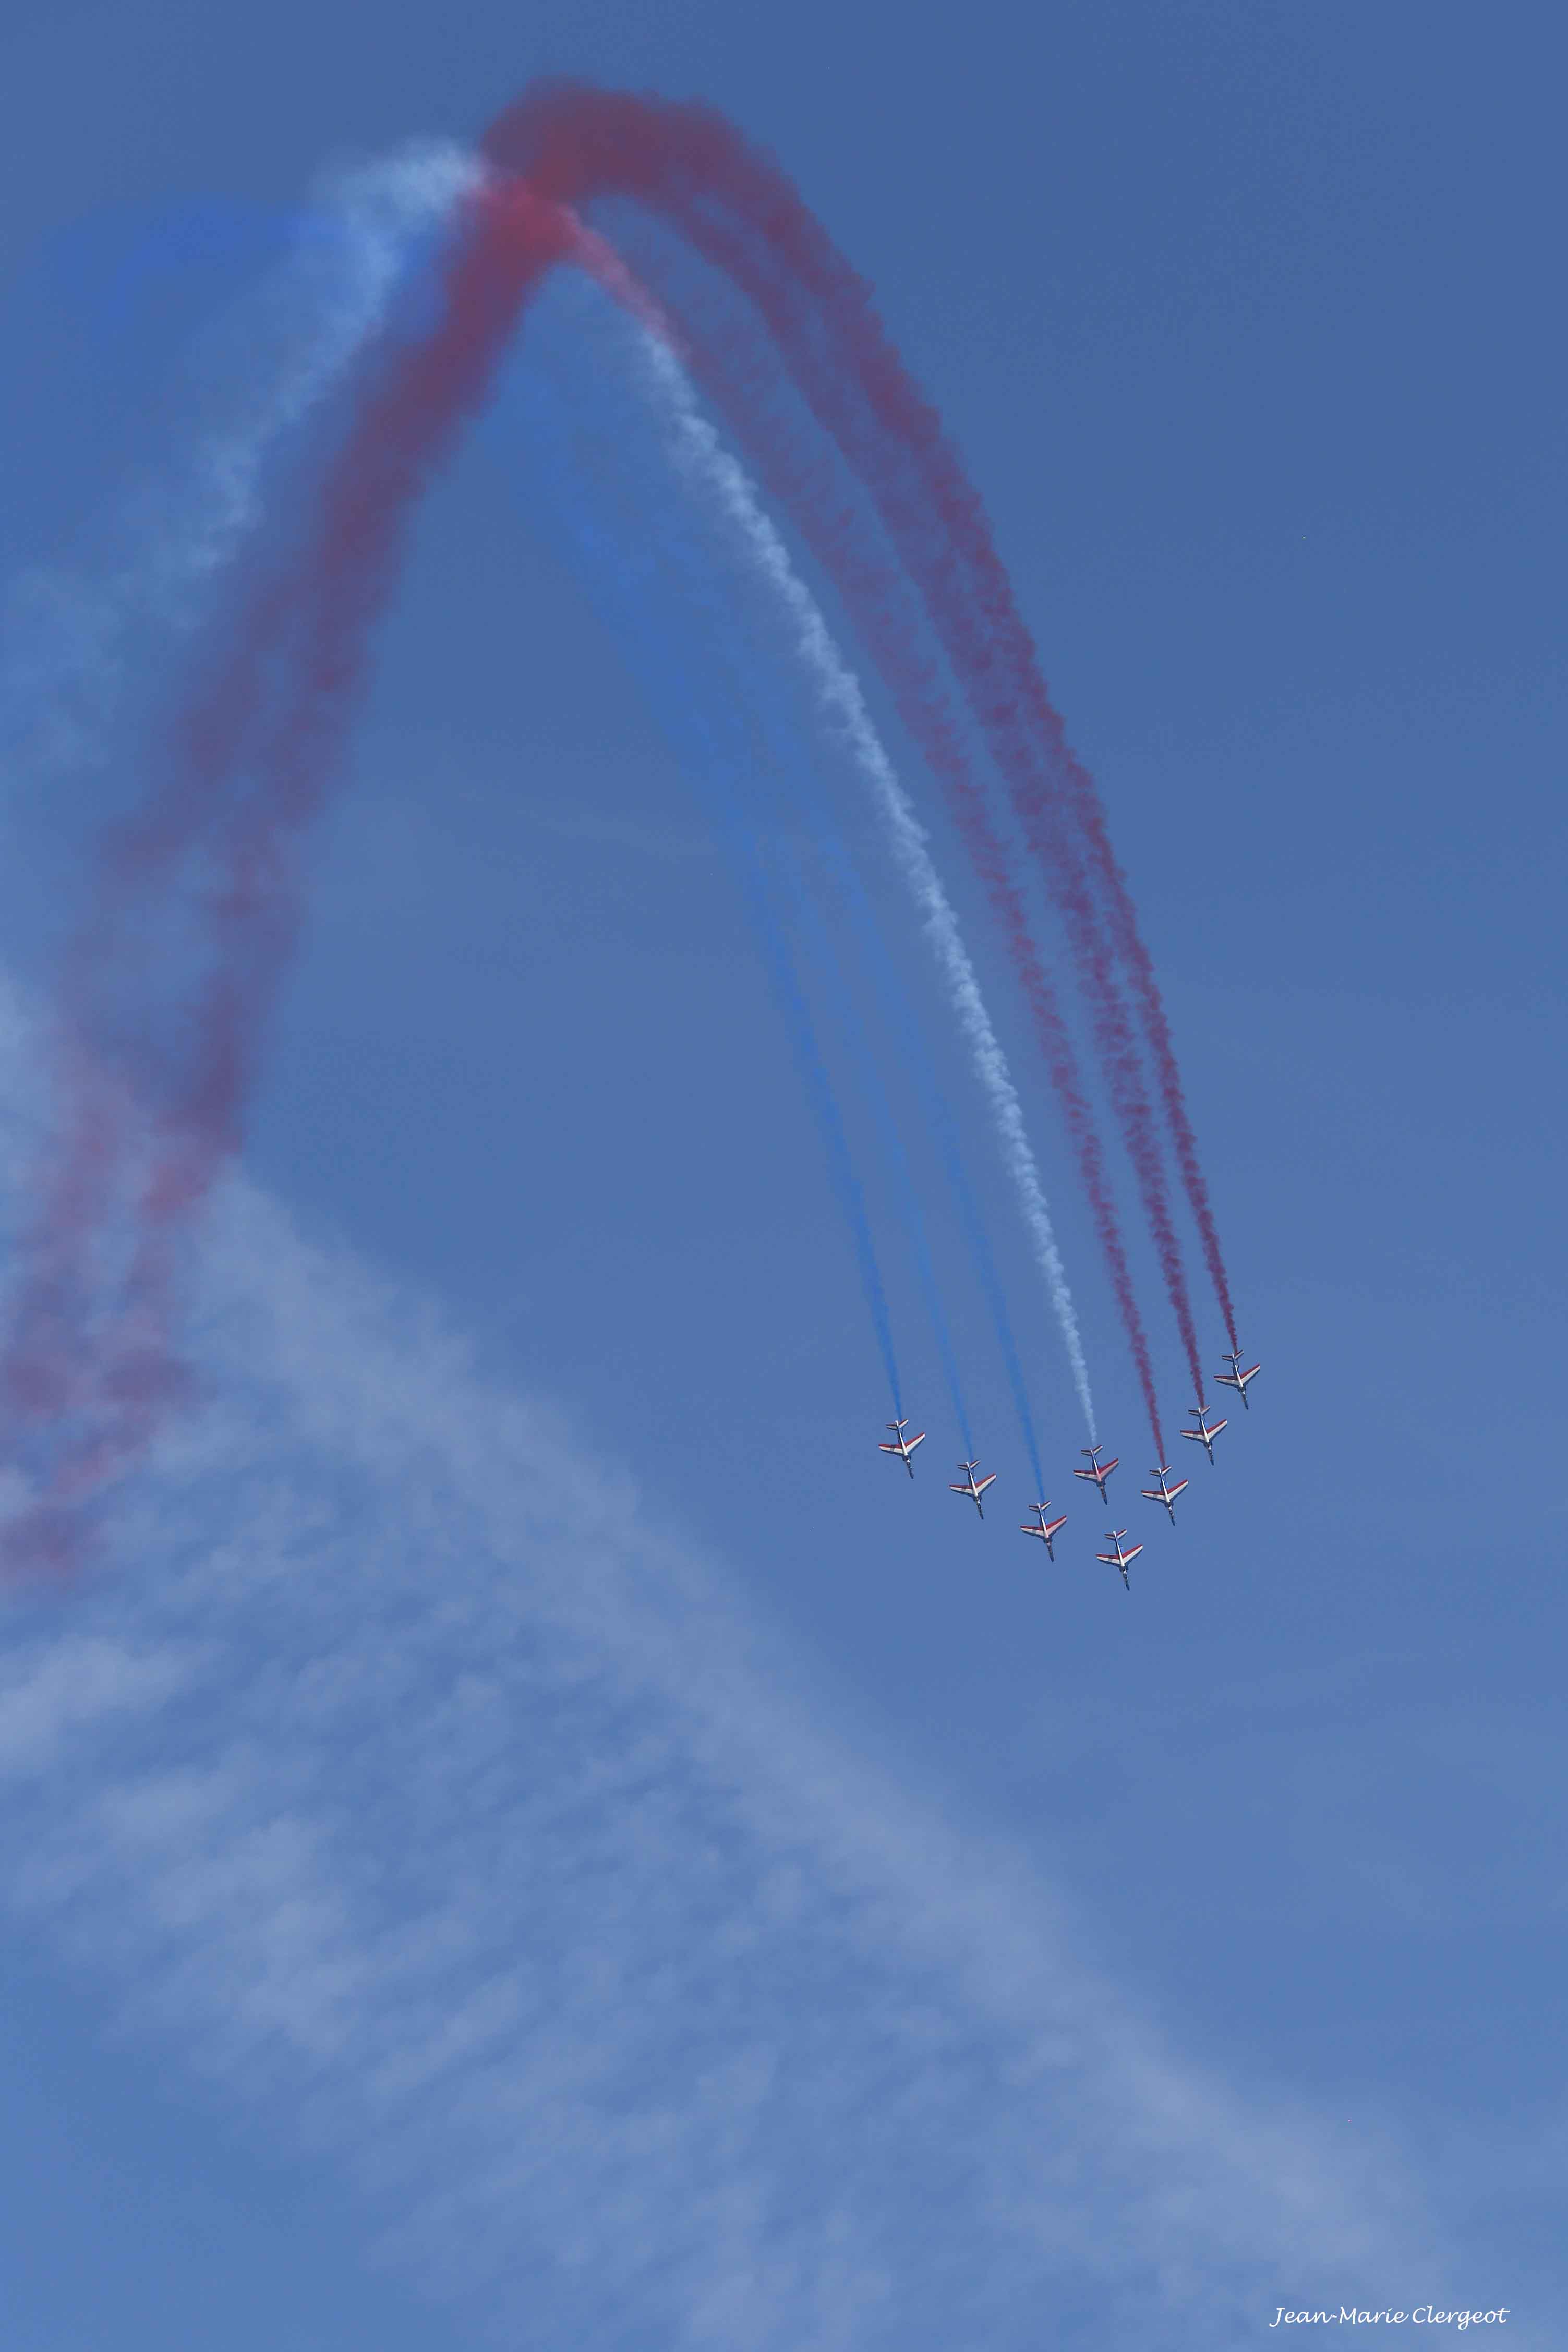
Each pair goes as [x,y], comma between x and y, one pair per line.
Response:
[1425,2315]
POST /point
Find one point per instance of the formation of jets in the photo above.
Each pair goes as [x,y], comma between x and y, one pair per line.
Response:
[1046,1529]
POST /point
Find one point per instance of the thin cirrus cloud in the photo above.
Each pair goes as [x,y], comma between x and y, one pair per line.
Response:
[408,1781]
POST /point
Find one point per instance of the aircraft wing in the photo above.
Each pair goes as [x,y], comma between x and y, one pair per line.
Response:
[982,1484]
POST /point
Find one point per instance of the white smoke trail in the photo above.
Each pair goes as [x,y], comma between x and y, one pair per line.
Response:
[69,629]
[704,461]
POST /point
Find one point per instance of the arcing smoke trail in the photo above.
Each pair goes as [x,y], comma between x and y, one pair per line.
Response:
[246,770]
[84,1385]
[783,260]
[709,466]
[634,587]
[687,165]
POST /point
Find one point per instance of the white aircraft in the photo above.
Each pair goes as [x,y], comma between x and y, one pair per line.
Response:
[1119,1556]
[1101,1471]
[1235,1378]
[1204,1434]
[901,1445]
[974,1487]
[1047,1529]
[1166,1493]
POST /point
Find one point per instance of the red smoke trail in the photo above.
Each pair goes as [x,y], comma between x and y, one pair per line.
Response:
[688,165]
[221,840]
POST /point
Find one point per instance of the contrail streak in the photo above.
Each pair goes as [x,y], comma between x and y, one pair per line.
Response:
[703,458]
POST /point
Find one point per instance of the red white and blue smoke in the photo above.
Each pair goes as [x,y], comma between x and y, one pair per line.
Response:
[733,315]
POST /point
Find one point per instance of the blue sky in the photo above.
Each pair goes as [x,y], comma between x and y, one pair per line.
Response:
[1243,322]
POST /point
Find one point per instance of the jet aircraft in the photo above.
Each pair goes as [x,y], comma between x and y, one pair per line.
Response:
[1165,1492]
[901,1445]
[1047,1529]
[1101,1471]
[1235,1378]
[1206,1433]
[1119,1556]
[973,1486]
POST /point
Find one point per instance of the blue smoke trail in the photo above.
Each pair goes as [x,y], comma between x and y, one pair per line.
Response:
[875,1094]
[667,525]
[900,1016]
[934,1104]
[708,588]
[625,587]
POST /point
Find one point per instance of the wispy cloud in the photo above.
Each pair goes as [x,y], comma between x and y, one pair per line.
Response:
[405,1777]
